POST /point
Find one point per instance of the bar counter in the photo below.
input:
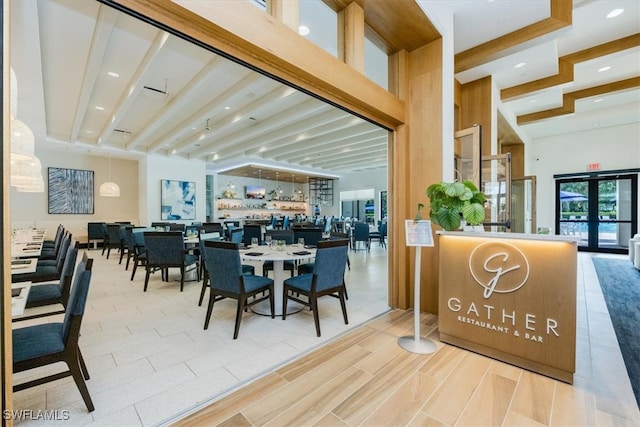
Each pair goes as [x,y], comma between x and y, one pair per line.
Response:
[512,297]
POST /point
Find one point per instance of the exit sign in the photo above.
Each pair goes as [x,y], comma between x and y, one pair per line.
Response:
[593,166]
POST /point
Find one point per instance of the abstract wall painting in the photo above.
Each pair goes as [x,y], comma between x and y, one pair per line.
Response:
[178,200]
[70,191]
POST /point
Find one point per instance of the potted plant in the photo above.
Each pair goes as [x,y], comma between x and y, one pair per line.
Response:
[452,202]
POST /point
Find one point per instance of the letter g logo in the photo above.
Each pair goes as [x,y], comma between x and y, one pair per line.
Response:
[498,267]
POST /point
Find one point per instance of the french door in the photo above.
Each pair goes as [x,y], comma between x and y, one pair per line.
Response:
[601,211]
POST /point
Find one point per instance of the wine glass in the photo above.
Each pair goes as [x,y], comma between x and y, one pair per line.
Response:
[254,241]
[267,240]
[301,242]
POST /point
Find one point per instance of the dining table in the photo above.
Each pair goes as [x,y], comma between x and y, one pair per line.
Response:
[23,265]
[278,254]
[19,294]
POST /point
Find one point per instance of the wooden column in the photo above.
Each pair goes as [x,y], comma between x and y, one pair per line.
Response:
[285,11]
[416,162]
[475,108]
[351,36]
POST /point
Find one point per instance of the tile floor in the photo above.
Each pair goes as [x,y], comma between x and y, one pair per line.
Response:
[151,362]
[150,359]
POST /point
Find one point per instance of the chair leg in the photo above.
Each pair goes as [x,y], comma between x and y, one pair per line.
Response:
[209,310]
[121,256]
[272,303]
[83,366]
[181,278]
[126,267]
[313,302]
[76,373]
[146,279]
[108,252]
[135,267]
[342,295]
[242,301]
[205,280]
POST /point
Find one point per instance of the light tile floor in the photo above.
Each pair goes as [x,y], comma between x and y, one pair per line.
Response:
[150,359]
[151,362]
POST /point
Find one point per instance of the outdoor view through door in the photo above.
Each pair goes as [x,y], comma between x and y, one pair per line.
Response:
[602,211]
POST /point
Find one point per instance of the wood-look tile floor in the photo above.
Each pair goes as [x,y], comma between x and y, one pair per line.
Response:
[364,378]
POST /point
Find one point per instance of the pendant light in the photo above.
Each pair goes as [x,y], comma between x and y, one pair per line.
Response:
[109,188]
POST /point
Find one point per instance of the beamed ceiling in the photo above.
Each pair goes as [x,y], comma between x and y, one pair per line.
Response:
[173,98]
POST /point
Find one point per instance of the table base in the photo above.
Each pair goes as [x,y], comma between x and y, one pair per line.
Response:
[263,308]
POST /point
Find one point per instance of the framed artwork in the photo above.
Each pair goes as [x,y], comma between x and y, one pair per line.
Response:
[70,191]
[178,199]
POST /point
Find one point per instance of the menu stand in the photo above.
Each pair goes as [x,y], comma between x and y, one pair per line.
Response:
[418,234]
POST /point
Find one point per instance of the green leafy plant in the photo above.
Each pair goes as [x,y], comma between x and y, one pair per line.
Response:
[453,201]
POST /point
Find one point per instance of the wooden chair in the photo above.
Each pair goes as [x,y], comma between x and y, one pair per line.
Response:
[48,343]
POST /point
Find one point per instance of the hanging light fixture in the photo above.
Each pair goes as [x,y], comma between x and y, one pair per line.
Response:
[109,188]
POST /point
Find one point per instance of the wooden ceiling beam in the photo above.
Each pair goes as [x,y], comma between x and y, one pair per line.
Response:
[569,99]
[566,65]
[560,17]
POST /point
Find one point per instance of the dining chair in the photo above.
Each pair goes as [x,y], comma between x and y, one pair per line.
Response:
[124,247]
[52,250]
[327,279]
[43,294]
[246,268]
[251,231]
[112,240]
[94,233]
[235,234]
[139,250]
[311,236]
[361,234]
[50,243]
[48,343]
[165,249]
[46,270]
[226,280]
[307,267]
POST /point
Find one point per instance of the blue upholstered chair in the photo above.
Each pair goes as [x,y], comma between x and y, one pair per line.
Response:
[112,240]
[124,247]
[139,250]
[327,279]
[53,293]
[46,270]
[250,231]
[285,223]
[47,244]
[51,248]
[235,234]
[307,267]
[95,233]
[165,249]
[361,234]
[311,236]
[48,343]
[227,281]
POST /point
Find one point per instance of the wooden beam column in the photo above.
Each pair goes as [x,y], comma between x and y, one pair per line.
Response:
[351,36]
[285,11]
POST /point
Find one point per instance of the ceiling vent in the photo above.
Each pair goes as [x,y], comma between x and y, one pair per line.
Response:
[155,93]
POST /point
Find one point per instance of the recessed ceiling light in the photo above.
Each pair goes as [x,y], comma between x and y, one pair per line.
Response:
[303,30]
[607,68]
[227,108]
[598,100]
[89,131]
[533,101]
[614,13]
[99,108]
[520,65]
[113,74]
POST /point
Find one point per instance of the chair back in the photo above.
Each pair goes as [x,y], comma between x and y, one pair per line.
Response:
[337,236]
[123,233]
[361,231]
[57,241]
[95,230]
[287,235]
[382,227]
[66,274]
[209,227]
[236,235]
[327,224]
[113,234]
[62,253]
[222,260]
[251,231]
[285,222]
[173,226]
[330,264]
[207,236]
[164,248]
[77,298]
[311,236]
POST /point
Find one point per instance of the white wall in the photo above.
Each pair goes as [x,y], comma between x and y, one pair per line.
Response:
[28,209]
[153,169]
[613,147]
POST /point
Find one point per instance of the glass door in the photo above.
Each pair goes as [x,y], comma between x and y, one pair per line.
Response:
[466,154]
[602,211]
[496,184]
[523,205]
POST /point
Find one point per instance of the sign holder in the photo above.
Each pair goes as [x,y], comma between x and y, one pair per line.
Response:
[418,234]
